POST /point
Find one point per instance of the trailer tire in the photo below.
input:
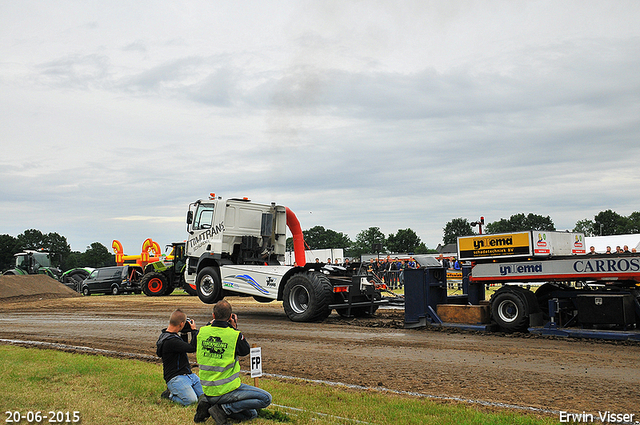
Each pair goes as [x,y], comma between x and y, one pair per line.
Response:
[510,309]
[209,286]
[154,284]
[86,292]
[307,296]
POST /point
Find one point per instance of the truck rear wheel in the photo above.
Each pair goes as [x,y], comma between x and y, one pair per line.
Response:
[510,310]
[307,297]
[209,286]
[154,284]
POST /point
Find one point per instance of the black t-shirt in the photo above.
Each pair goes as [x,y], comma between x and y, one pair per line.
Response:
[173,349]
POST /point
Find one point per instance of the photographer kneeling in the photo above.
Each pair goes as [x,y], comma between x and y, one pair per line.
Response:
[219,346]
[183,386]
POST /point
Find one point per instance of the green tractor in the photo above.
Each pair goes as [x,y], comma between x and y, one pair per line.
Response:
[163,276]
[32,262]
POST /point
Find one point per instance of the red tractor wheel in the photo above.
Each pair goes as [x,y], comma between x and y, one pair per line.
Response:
[154,284]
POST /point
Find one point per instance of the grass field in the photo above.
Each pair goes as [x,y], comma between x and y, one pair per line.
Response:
[107,391]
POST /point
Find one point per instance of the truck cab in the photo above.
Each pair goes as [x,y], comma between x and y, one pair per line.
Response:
[236,230]
[235,246]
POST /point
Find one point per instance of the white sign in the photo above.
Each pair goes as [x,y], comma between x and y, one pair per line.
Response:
[256,362]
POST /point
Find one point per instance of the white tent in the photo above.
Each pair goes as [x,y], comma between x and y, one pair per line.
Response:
[601,242]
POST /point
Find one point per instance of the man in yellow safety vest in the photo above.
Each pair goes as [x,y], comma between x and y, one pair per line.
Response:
[219,347]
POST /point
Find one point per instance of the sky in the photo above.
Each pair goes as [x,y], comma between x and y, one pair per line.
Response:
[114,116]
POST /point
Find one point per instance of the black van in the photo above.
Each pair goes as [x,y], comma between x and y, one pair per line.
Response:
[113,280]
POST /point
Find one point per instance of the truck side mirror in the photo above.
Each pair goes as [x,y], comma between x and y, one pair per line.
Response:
[189,217]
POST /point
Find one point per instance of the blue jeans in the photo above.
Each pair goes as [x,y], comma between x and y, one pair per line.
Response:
[242,402]
[185,389]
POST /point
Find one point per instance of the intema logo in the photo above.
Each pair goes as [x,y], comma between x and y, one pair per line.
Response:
[520,268]
[493,242]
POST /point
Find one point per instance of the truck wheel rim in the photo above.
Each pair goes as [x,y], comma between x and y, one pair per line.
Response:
[155,285]
[507,311]
[299,299]
[207,285]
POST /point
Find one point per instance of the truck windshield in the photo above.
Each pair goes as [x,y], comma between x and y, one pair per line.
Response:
[203,217]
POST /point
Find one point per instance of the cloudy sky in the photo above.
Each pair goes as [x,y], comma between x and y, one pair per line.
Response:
[115,115]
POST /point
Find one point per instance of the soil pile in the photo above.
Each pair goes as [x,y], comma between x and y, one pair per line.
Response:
[16,287]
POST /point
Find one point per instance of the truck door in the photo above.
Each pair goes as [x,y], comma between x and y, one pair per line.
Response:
[200,227]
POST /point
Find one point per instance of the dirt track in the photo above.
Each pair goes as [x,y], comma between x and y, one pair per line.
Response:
[555,374]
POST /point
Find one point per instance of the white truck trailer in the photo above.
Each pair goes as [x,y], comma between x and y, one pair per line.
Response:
[235,246]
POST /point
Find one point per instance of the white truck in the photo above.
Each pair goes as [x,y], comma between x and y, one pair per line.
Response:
[235,246]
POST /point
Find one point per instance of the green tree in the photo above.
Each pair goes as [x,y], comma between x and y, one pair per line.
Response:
[289,244]
[320,238]
[55,244]
[521,222]
[633,223]
[365,241]
[31,239]
[585,226]
[538,222]
[58,248]
[405,240]
[73,260]
[610,223]
[97,255]
[456,227]
[8,247]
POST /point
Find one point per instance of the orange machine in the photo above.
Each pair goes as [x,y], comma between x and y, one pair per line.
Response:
[143,259]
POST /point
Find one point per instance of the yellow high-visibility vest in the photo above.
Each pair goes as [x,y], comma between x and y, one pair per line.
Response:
[216,355]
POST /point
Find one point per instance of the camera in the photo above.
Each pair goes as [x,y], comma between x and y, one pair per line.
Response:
[187,326]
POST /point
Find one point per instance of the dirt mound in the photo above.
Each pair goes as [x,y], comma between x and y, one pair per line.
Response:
[33,286]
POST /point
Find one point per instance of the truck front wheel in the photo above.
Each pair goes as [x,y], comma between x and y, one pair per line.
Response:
[307,297]
[209,286]
[188,289]
[154,284]
[510,310]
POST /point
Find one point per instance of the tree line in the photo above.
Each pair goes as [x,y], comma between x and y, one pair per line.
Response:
[96,255]
[366,242]
[369,241]
[604,223]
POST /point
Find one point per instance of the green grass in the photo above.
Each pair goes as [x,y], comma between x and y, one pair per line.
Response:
[107,391]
